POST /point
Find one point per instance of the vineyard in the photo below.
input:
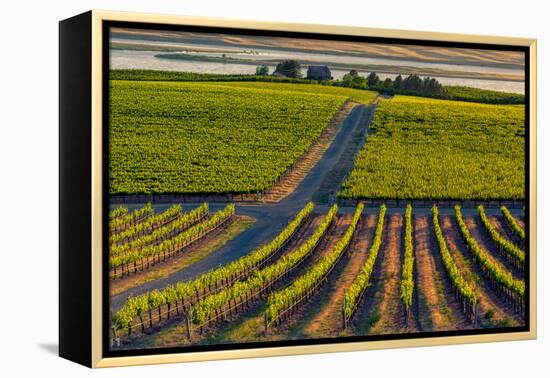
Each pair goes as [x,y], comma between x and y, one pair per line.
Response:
[483,96]
[352,196]
[277,290]
[411,139]
[203,138]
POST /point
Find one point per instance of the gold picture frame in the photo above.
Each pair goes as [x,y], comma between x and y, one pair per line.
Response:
[94,355]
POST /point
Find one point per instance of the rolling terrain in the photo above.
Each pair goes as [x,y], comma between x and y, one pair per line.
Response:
[313,261]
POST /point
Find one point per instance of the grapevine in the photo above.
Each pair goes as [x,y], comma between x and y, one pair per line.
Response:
[121,223]
[177,225]
[174,244]
[508,287]
[362,280]
[462,288]
[407,280]
[212,280]
[510,220]
[515,255]
[207,307]
[119,211]
[280,302]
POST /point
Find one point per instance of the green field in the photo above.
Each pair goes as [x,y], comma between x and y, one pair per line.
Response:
[197,137]
[453,92]
[157,75]
[420,148]
[482,95]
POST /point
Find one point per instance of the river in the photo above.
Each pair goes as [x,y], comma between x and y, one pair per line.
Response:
[142,59]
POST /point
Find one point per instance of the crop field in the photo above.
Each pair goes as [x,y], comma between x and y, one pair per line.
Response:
[361,271]
[357,95]
[484,96]
[420,148]
[312,170]
[205,138]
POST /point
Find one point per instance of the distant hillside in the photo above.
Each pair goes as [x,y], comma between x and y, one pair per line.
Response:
[490,58]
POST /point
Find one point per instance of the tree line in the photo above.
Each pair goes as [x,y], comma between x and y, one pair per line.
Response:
[413,84]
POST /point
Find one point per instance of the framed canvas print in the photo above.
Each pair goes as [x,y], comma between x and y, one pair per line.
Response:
[235,189]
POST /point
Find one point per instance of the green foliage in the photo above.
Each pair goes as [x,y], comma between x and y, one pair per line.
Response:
[482,95]
[137,249]
[515,254]
[500,276]
[481,148]
[262,70]
[289,68]
[157,75]
[398,82]
[387,83]
[131,218]
[354,80]
[282,300]
[511,221]
[362,280]
[119,211]
[462,287]
[215,302]
[407,280]
[206,138]
[134,306]
[373,79]
[154,228]
[361,96]
[414,85]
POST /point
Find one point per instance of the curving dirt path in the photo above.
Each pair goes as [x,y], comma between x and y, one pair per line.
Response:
[271,218]
[492,311]
[329,187]
[286,185]
[250,325]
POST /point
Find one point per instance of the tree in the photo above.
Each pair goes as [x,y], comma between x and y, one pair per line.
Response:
[412,83]
[387,83]
[359,82]
[433,87]
[398,82]
[373,79]
[262,70]
[353,80]
[347,80]
[289,68]
[426,84]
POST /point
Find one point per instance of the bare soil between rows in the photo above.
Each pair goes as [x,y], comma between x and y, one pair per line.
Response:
[435,307]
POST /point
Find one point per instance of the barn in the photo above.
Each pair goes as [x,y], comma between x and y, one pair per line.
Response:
[319,73]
